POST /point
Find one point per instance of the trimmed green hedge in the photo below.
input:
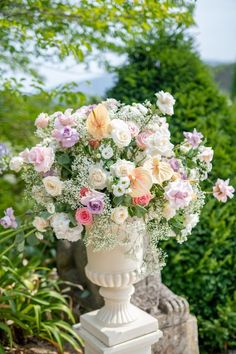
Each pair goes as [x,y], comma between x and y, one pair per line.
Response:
[204,268]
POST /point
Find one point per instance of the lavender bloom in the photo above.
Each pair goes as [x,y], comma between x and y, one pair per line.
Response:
[67,136]
[95,206]
[194,138]
[174,163]
[9,219]
[3,150]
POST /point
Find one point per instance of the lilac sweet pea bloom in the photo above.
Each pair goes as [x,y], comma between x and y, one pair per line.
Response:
[9,219]
[67,136]
[174,163]
[194,138]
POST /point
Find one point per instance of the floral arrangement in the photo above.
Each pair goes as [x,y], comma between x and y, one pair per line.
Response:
[106,167]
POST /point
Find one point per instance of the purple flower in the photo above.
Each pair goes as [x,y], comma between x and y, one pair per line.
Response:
[3,150]
[95,206]
[193,138]
[94,201]
[174,163]
[67,136]
[9,219]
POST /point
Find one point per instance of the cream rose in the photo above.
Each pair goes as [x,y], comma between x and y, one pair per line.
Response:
[97,177]
[53,185]
[205,154]
[40,223]
[16,163]
[122,168]
[168,212]
[119,214]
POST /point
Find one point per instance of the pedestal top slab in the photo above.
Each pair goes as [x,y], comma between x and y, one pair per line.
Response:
[140,345]
[112,336]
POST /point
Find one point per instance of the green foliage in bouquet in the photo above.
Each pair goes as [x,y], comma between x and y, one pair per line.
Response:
[203,269]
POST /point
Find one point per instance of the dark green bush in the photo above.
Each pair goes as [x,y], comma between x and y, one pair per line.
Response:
[203,269]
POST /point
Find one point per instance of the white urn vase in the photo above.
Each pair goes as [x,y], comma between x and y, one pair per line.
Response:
[118,327]
[115,271]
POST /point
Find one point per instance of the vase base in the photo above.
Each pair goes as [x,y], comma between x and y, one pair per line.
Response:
[112,336]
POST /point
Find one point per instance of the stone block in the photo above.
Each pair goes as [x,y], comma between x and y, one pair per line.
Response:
[178,337]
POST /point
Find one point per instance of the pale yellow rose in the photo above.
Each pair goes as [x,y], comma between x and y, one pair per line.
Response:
[160,170]
[119,214]
[53,185]
[98,122]
[40,224]
[140,182]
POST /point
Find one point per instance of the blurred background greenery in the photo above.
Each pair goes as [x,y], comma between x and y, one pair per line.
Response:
[160,54]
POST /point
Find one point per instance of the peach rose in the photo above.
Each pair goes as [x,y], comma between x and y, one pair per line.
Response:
[98,122]
[42,120]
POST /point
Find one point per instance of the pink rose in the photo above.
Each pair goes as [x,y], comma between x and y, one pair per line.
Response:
[133,128]
[64,120]
[42,158]
[83,192]
[143,200]
[42,120]
[222,191]
[83,216]
[142,138]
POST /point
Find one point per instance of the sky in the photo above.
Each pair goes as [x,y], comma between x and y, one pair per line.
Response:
[215,36]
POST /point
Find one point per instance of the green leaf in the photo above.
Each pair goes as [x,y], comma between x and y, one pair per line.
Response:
[63,159]
[32,240]
[118,201]
[6,329]
[44,214]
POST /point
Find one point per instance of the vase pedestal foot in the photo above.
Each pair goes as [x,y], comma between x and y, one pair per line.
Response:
[135,337]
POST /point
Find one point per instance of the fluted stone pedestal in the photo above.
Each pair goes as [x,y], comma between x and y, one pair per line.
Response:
[136,337]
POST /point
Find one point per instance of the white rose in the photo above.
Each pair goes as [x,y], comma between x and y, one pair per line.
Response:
[40,223]
[60,224]
[159,144]
[141,108]
[16,163]
[97,177]
[121,136]
[119,214]
[107,152]
[53,185]
[165,102]
[205,154]
[122,168]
